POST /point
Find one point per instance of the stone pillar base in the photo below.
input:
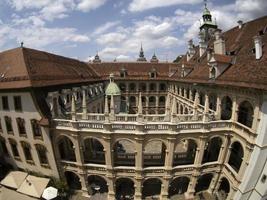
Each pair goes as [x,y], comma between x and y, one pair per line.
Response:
[111,196]
[189,195]
[138,197]
[164,197]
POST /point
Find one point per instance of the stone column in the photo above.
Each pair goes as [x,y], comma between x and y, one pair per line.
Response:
[218,108]
[138,189]
[213,182]
[78,149]
[234,110]
[165,188]
[190,95]
[111,190]
[191,187]
[223,150]
[200,151]
[108,152]
[255,117]
[84,184]
[245,161]
[169,153]
[157,104]
[139,154]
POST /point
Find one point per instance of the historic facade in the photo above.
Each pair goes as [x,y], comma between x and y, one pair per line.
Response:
[144,129]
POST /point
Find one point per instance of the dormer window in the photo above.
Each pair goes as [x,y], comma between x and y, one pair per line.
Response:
[213,73]
[153,73]
[123,73]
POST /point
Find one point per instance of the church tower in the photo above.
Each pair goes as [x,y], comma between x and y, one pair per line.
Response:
[208,26]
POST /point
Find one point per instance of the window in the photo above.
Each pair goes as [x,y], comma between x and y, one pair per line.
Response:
[8,124]
[21,126]
[1,125]
[152,75]
[27,151]
[41,151]
[14,148]
[17,103]
[5,103]
[213,73]
[36,129]
[3,148]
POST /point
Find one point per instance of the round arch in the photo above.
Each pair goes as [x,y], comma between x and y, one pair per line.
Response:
[66,148]
[224,188]
[245,113]
[178,186]
[226,108]
[212,149]
[236,156]
[154,153]
[93,151]
[184,152]
[203,182]
[151,188]
[73,180]
[97,184]
[124,152]
[125,188]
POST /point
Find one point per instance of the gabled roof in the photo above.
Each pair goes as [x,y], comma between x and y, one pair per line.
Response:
[23,68]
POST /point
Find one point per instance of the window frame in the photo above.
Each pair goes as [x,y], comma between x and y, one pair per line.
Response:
[17,104]
[5,103]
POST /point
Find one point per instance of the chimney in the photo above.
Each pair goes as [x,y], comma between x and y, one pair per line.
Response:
[240,24]
[219,43]
[191,50]
[258,46]
[209,52]
[202,44]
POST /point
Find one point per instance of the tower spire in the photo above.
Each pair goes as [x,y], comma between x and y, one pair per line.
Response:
[142,57]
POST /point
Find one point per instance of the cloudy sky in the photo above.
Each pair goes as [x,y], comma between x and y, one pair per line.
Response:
[115,28]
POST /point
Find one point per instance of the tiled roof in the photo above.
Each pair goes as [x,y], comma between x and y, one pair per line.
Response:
[23,67]
[134,70]
[245,70]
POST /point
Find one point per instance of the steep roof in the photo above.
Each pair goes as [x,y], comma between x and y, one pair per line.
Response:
[134,70]
[245,70]
[23,68]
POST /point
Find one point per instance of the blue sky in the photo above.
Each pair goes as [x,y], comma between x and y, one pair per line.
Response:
[115,28]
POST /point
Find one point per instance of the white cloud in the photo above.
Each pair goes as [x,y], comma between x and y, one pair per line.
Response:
[87,5]
[111,38]
[105,27]
[141,5]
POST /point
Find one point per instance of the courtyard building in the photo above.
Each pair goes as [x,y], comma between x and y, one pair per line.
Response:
[145,129]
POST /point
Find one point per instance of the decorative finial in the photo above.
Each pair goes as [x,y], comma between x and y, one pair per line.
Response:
[205,3]
[21,44]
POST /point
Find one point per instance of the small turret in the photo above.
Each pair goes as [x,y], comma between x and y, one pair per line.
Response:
[97,59]
[154,59]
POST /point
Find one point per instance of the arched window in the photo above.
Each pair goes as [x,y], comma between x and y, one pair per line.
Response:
[124,188]
[212,150]
[132,101]
[142,87]
[151,187]
[212,102]
[226,108]
[97,181]
[245,114]
[154,154]
[203,182]
[73,180]
[224,189]
[236,156]
[178,186]
[184,153]
[152,101]
[162,87]
[162,101]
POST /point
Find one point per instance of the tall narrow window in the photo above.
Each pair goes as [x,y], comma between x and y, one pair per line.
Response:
[14,148]
[5,103]
[21,126]
[1,126]
[17,103]
[27,151]
[41,151]
[3,148]
[36,129]
[9,127]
